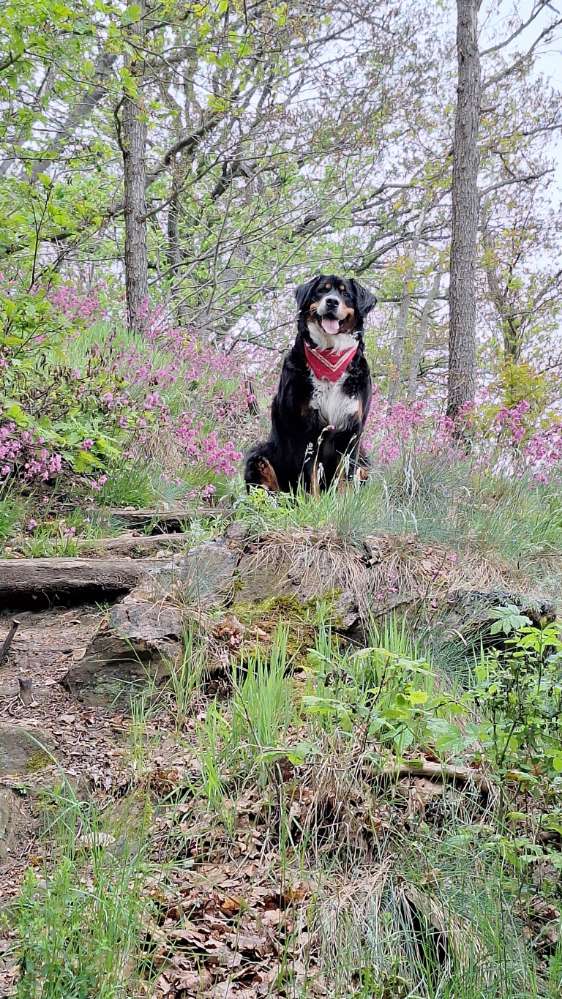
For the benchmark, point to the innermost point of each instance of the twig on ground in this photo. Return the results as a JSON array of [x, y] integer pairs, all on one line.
[[7, 643], [431, 769]]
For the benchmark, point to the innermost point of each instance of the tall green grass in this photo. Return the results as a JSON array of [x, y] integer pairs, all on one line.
[[262, 706], [80, 920]]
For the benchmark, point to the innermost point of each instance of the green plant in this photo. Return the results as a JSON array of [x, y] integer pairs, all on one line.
[[386, 690], [262, 706], [186, 675], [129, 485], [211, 739], [520, 690], [12, 511], [79, 924]]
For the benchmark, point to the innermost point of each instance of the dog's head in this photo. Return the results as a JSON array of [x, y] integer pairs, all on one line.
[[332, 306]]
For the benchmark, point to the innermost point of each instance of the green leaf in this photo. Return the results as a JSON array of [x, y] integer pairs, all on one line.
[[131, 14], [85, 462], [15, 412]]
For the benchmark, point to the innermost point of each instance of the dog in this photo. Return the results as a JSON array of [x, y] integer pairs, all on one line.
[[324, 393]]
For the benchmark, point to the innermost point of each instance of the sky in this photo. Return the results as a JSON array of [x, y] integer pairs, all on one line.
[[494, 21]]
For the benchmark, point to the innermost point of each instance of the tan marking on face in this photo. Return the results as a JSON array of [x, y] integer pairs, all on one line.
[[347, 325]]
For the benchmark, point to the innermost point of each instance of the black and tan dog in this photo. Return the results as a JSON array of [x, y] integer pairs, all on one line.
[[322, 402]]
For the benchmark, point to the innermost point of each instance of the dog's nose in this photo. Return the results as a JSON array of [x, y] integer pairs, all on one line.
[[332, 303]]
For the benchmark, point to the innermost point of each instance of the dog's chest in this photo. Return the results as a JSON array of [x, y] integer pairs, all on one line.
[[334, 406]]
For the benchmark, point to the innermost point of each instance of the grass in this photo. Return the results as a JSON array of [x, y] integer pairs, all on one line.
[[262, 706], [186, 676], [413, 891], [433, 920], [454, 504], [413, 895], [12, 513], [130, 485], [79, 923]]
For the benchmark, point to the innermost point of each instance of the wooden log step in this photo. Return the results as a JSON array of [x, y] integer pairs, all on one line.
[[134, 544], [160, 521], [33, 581]]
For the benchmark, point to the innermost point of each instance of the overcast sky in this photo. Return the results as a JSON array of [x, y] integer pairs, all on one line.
[[494, 20]]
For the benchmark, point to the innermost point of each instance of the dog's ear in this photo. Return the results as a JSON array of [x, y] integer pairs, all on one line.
[[364, 299], [303, 293]]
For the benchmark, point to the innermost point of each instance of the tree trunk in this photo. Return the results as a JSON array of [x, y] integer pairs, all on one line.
[[133, 147], [404, 311], [462, 292], [421, 336]]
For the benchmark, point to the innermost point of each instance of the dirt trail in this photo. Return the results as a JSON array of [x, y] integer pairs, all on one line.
[[86, 743]]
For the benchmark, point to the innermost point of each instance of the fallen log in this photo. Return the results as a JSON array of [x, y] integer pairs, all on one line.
[[34, 581], [432, 770], [160, 521], [131, 544]]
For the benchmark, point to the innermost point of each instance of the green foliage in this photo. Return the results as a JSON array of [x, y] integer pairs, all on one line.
[[507, 619], [262, 707], [52, 407], [12, 511], [387, 690], [520, 690], [79, 924]]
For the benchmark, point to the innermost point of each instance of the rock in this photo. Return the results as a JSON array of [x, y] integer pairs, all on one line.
[[23, 750], [138, 642], [311, 572], [347, 615], [466, 615], [207, 574]]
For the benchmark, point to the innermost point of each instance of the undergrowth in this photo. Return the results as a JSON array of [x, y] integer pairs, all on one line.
[[80, 919], [373, 820]]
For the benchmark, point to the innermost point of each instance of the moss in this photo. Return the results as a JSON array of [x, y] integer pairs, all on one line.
[[301, 617], [38, 761]]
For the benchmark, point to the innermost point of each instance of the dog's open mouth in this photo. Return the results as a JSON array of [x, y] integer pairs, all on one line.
[[331, 326]]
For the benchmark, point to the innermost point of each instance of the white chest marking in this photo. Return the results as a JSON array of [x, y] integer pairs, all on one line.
[[333, 405]]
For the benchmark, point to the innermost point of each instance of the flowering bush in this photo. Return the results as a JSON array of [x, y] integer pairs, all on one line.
[[188, 407], [121, 401], [510, 443]]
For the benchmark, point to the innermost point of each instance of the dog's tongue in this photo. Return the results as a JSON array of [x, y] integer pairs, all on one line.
[[331, 326]]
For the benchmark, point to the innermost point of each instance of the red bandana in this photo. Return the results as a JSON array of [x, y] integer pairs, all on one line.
[[329, 364]]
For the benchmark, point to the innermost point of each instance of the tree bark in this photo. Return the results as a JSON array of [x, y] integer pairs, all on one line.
[[421, 336], [46, 580], [133, 147], [462, 292]]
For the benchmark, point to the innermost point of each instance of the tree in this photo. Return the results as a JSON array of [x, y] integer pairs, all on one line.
[[464, 216], [132, 135]]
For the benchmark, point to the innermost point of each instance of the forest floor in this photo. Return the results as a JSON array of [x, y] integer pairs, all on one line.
[[292, 811]]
